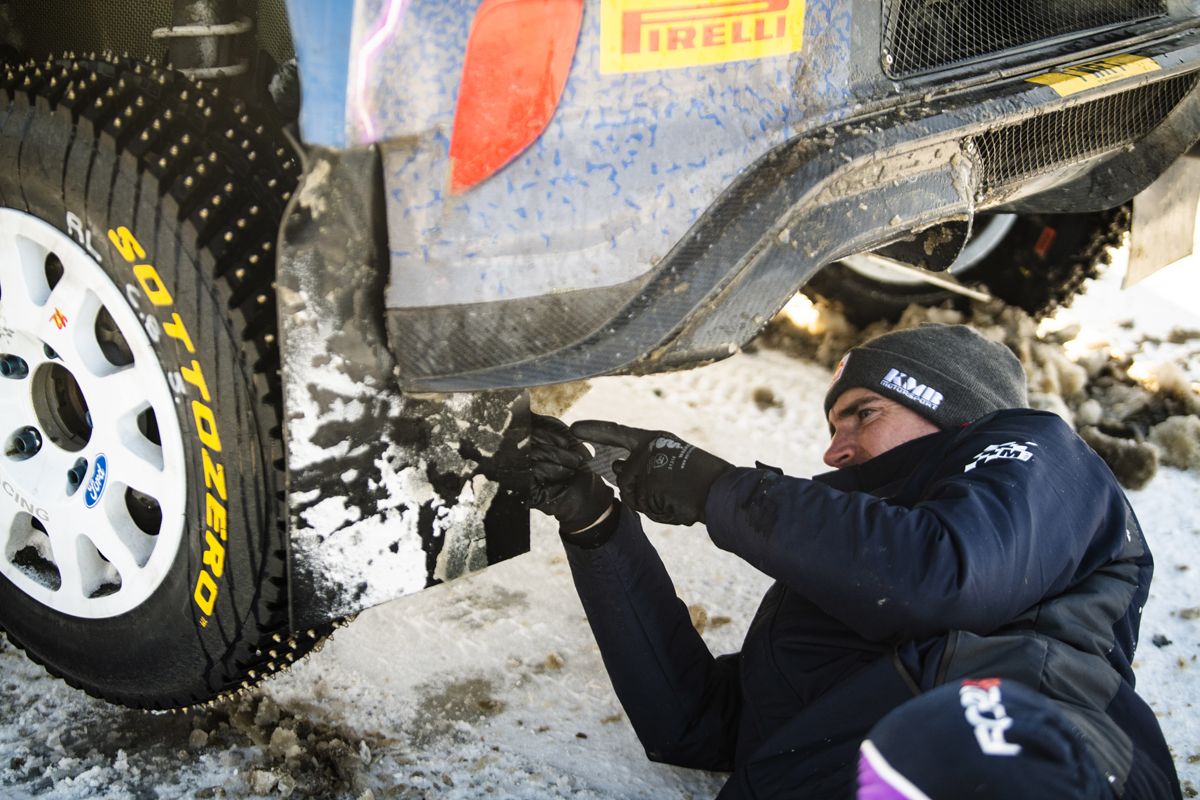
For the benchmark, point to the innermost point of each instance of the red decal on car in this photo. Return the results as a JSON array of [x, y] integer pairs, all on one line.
[[518, 56]]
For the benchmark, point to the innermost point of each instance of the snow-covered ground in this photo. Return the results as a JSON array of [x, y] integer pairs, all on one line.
[[492, 687]]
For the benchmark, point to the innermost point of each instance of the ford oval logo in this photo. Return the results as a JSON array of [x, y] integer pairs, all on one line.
[[95, 485]]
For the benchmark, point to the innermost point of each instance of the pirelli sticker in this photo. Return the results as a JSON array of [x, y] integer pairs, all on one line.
[[1071, 80], [642, 35]]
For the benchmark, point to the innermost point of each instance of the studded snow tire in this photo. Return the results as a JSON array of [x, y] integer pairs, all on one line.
[[142, 550], [1040, 265]]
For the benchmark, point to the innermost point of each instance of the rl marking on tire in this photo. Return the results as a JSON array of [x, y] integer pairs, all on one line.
[[215, 525]]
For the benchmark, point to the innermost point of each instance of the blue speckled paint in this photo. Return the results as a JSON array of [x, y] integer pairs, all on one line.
[[321, 31], [626, 165]]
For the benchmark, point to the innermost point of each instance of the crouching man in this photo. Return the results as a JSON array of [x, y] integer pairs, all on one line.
[[955, 606]]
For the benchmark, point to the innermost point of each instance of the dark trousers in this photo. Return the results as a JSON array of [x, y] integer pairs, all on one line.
[[984, 740]]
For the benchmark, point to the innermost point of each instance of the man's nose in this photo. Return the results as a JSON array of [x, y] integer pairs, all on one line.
[[841, 451]]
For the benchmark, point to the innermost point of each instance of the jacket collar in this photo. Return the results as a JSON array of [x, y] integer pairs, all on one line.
[[895, 465]]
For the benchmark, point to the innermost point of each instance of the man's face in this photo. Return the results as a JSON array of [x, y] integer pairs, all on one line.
[[866, 424]]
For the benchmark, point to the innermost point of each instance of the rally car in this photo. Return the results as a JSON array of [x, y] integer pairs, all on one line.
[[276, 277]]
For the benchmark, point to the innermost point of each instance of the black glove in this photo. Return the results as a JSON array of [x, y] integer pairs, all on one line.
[[664, 477], [562, 487]]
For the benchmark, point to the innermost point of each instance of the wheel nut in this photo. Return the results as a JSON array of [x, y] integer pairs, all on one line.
[[75, 474], [25, 443], [13, 366]]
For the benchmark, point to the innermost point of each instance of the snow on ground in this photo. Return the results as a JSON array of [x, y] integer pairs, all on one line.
[[492, 687]]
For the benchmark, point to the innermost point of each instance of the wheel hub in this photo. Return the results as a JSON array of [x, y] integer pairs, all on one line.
[[92, 474], [62, 411]]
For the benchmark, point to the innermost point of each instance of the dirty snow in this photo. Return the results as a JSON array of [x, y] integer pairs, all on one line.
[[491, 686]]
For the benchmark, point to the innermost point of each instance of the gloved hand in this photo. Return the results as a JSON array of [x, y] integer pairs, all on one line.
[[562, 487], [664, 477]]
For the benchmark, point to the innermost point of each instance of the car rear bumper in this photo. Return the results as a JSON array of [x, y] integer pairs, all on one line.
[[1007, 144]]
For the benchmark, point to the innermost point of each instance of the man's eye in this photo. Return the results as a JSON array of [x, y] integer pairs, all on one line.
[[864, 413]]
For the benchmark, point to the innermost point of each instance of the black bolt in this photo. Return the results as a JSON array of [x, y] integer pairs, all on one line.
[[75, 474], [13, 366], [49, 351], [26, 442]]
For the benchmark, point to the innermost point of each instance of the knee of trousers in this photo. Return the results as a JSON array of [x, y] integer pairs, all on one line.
[[983, 739]]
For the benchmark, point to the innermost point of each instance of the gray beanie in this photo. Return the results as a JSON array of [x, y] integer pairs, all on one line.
[[948, 374]]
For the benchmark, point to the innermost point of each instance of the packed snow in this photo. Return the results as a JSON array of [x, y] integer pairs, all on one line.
[[491, 686]]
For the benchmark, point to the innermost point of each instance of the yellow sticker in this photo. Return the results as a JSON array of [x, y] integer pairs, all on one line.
[[641, 35], [1070, 80]]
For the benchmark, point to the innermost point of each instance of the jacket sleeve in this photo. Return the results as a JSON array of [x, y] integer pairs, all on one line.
[[979, 547], [683, 702]]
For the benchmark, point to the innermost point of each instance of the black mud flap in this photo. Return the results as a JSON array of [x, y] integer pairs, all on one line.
[[387, 493]]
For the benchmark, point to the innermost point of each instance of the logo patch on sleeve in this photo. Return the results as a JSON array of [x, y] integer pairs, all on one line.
[[1009, 451]]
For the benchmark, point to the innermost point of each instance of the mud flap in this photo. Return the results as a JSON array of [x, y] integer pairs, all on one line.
[[387, 493], [1164, 220]]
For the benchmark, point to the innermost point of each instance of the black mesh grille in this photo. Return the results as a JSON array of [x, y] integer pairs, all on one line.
[[923, 34], [50, 27], [274, 35], [1043, 143]]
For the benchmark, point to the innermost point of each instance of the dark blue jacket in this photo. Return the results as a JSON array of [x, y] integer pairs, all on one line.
[[1005, 548]]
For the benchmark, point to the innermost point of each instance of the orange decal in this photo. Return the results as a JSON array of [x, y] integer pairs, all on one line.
[[59, 319], [639, 35], [1044, 242]]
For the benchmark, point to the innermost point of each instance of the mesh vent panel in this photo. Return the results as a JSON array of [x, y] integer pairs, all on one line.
[[274, 35], [923, 34], [49, 27], [1043, 143]]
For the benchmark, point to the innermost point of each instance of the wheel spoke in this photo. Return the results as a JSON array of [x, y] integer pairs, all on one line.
[[84, 343], [117, 395], [66, 310], [25, 278], [137, 462], [75, 576], [125, 547]]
